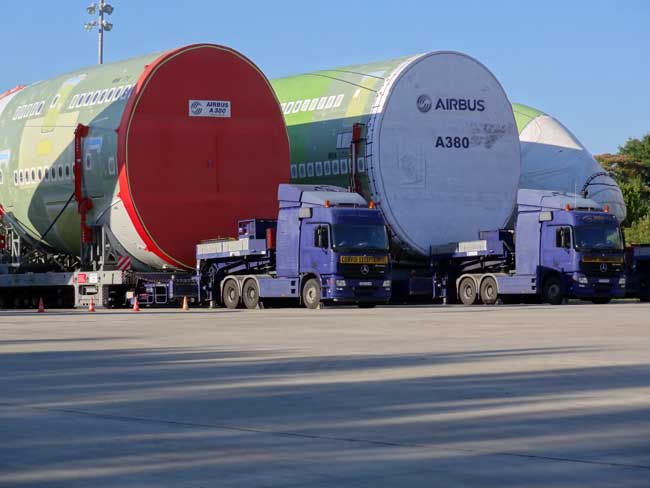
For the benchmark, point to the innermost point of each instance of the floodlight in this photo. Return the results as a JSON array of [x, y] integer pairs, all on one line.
[[91, 9], [107, 26], [107, 8]]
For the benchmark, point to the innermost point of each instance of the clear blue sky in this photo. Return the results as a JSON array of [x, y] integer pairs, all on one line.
[[585, 62]]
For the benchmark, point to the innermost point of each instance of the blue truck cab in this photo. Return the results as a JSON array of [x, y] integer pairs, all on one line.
[[562, 246], [327, 245]]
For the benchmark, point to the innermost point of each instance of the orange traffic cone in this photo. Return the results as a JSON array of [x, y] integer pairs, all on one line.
[[41, 307], [136, 305], [185, 304], [91, 305]]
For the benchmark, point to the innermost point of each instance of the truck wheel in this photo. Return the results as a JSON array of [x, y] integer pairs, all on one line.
[[230, 294], [601, 300], [311, 294], [489, 290], [251, 294], [552, 290], [467, 291]]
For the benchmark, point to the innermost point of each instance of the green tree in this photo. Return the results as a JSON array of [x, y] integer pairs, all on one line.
[[635, 194], [630, 167], [637, 149], [639, 232]]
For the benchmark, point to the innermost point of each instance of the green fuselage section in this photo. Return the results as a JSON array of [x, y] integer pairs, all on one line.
[[37, 148]]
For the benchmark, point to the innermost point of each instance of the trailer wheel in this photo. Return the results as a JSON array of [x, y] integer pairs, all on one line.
[[489, 290], [311, 294], [552, 290], [230, 294], [467, 291], [251, 294]]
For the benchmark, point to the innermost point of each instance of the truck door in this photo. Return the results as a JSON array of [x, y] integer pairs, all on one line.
[[316, 244], [557, 247]]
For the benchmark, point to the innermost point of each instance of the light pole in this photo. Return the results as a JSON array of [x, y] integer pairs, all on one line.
[[100, 8]]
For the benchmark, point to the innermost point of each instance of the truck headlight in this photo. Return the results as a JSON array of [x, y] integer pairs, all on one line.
[[341, 283], [583, 280], [621, 281], [386, 284]]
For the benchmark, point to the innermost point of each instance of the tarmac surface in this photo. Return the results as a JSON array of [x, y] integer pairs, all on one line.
[[505, 396]]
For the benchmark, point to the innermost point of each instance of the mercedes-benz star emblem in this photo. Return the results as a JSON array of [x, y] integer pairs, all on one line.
[[365, 269], [603, 267]]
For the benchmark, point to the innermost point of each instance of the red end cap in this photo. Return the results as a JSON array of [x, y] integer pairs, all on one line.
[[187, 178]]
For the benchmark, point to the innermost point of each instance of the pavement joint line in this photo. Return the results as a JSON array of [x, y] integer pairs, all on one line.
[[127, 418]]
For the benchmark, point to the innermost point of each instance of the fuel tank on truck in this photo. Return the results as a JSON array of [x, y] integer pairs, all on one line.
[[181, 145], [440, 150], [552, 158]]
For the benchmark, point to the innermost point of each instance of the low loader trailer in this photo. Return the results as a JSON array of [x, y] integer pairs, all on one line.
[[562, 246], [637, 261], [326, 246]]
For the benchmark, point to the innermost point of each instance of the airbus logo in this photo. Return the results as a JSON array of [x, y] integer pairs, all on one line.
[[424, 103], [365, 269], [196, 107]]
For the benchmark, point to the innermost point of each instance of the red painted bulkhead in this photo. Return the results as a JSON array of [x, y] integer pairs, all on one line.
[[185, 179]]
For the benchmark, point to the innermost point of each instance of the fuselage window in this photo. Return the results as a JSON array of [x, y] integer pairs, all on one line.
[[73, 102], [95, 97], [60, 172], [53, 173], [21, 176], [40, 174], [118, 93], [67, 171], [55, 100], [15, 177], [33, 175]]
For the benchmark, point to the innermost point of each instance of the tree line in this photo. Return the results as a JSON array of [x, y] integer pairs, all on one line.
[[630, 167]]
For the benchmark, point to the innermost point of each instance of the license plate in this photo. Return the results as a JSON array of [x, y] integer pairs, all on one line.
[[602, 280], [365, 283]]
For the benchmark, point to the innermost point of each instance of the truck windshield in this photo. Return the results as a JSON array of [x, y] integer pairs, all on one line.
[[359, 237], [590, 237]]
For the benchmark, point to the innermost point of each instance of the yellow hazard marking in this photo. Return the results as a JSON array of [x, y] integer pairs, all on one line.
[[363, 259]]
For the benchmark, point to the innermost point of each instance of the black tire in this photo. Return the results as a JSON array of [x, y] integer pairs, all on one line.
[[644, 299], [467, 291], [552, 290], [311, 294], [601, 300], [366, 305], [251, 294], [489, 290], [230, 294]]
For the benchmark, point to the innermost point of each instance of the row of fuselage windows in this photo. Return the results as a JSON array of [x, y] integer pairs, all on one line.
[[30, 176], [324, 168], [52, 174], [97, 97]]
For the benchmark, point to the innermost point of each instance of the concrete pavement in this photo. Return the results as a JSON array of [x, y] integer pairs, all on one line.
[[505, 396]]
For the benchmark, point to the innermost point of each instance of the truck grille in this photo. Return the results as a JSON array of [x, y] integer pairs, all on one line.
[[601, 269], [355, 271]]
